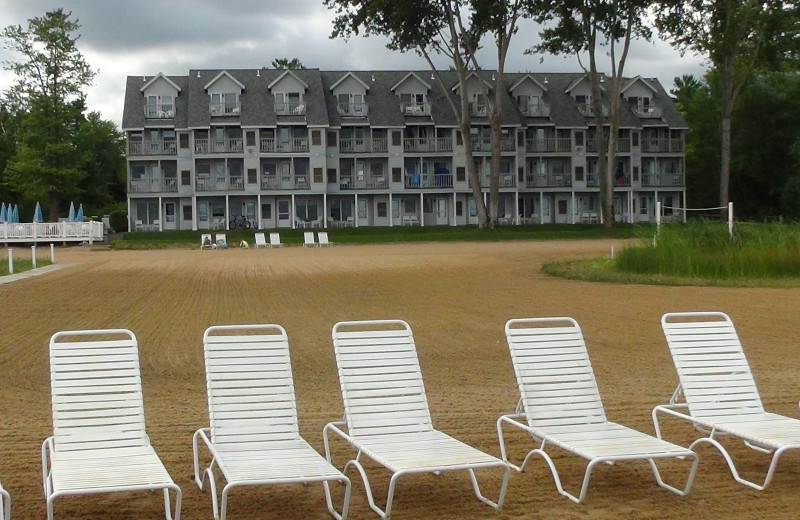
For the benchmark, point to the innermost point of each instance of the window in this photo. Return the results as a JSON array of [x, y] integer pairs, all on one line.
[[331, 175], [473, 208], [635, 139], [395, 138], [283, 210], [562, 207], [266, 210], [382, 209], [459, 138], [316, 138], [461, 174], [578, 138], [643, 206], [184, 140], [579, 173], [318, 175], [187, 213], [362, 209], [395, 208], [521, 174], [459, 208], [137, 171], [186, 177], [331, 139], [252, 176], [397, 175], [636, 173], [251, 138]]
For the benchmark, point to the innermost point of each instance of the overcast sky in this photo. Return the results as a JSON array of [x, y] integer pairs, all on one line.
[[121, 38]]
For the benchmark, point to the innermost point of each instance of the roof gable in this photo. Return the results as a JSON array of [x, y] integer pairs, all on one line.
[[406, 77], [288, 73], [221, 74], [158, 77], [578, 81], [349, 75], [527, 77], [469, 76], [638, 79]]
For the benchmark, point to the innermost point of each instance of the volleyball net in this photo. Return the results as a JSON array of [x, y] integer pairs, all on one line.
[[721, 213]]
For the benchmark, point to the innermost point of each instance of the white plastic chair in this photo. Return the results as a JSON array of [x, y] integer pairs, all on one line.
[[308, 239], [5, 504], [322, 238], [253, 436], [561, 405], [205, 241], [221, 241], [386, 411], [99, 443], [720, 397], [275, 240], [261, 240]]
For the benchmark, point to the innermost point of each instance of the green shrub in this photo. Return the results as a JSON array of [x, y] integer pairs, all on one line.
[[118, 220]]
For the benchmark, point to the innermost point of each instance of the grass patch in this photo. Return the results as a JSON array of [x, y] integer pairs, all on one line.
[[381, 235], [21, 265], [699, 253]]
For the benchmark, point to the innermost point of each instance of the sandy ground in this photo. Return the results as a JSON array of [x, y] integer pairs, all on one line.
[[457, 298]]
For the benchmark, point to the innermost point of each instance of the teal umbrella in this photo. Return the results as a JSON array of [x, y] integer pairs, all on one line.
[[79, 216], [71, 217], [15, 214], [37, 213], [3, 213]]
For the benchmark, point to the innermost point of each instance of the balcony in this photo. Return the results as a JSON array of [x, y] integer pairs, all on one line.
[[294, 145], [538, 110], [646, 111], [505, 180], [353, 109], [230, 145], [285, 182], [587, 110], [549, 145], [479, 109], [236, 183], [208, 183], [425, 144], [159, 111], [662, 179], [662, 145], [623, 144], [416, 109], [224, 109], [548, 180], [152, 148], [147, 185], [361, 145], [291, 108], [427, 180], [484, 144], [363, 182]]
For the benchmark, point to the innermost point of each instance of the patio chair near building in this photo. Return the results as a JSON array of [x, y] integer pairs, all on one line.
[[99, 443], [275, 240], [253, 435], [308, 239], [720, 398], [260, 240], [386, 414], [205, 241], [560, 405], [322, 238]]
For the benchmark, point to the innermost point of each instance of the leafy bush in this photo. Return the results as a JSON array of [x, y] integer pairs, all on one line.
[[118, 220]]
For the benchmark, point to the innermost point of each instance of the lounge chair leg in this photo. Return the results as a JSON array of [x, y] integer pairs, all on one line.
[[503, 486], [329, 501], [689, 479], [770, 471], [384, 514], [167, 503]]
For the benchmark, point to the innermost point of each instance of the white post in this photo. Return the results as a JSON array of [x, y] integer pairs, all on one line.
[[10, 261], [658, 215], [33, 256], [730, 220], [52, 253]]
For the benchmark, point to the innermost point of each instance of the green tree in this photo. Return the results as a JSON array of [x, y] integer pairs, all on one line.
[[51, 76], [286, 63], [733, 34], [577, 27], [102, 162]]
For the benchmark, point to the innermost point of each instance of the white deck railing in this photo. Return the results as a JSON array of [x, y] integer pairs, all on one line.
[[51, 232]]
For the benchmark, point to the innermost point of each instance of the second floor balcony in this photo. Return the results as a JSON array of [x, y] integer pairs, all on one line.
[[293, 145], [229, 145], [219, 183], [427, 180], [290, 108], [416, 109], [548, 180], [363, 182], [484, 144], [535, 110], [479, 109], [426, 144], [647, 111], [663, 179], [353, 109], [224, 109], [153, 185], [159, 111], [623, 144], [363, 145], [659, 144], [168, 147], [285, 182], [504, 180]]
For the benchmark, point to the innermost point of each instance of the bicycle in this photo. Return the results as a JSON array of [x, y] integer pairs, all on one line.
[[240, 222]]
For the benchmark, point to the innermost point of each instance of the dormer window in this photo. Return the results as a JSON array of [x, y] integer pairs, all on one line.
[[224, 104], [160, 107], [352, 105], [414, 104], [289, 103], [478, 106]]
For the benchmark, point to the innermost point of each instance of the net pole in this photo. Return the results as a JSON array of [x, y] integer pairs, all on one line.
[[730, 220]]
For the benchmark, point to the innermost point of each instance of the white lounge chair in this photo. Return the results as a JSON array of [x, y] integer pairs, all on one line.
[[205, 241], [308, 239], [386, 410], [719, 393], [99, 442], [322, 238], [261, 240], [221, 242], [275, 240], [254, 437], [560, 405], [5, 504]]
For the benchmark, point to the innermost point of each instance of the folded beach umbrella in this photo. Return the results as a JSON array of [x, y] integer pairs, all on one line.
[[71, 217], [3, 213], [37, 213], [79, 216]]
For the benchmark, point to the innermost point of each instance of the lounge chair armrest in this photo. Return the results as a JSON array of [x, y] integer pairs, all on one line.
[[334, 426], [48, 447], [201, 433]]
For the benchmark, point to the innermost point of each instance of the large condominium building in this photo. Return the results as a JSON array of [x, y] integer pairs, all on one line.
[[317, 148]]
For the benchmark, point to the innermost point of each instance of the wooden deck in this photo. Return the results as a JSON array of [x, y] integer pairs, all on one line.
[[51, 232]]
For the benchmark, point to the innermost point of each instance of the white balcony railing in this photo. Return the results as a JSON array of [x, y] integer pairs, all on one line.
[[536, 110], [353, 109], [415, 109], [549, 144], [290, 108], [51, 231], [224, 109], [159, 111]]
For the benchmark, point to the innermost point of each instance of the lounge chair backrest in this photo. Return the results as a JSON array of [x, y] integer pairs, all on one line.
[[322, 236], [96, 390], [260, 239], [380, 378], [274, 239], [250, 388], [712, 369], [308, 238], [555, 378]]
